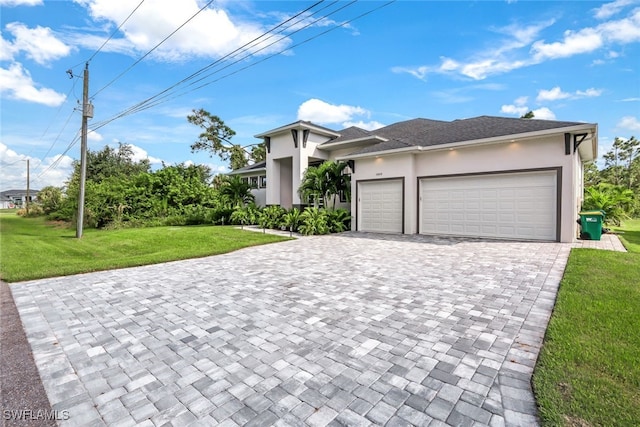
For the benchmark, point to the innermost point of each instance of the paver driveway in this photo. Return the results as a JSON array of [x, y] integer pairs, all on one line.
[[353, 329]]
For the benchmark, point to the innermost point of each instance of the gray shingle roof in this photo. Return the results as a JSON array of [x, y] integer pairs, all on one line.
[[426, 133], [349, 133], [249, 168]]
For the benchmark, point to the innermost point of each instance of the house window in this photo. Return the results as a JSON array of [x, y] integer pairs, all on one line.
[[343, 196], [263, 181], [245, 180], [254, 182], [311, 201]]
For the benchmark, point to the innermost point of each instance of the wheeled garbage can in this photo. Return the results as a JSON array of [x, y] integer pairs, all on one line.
[[591, 225]]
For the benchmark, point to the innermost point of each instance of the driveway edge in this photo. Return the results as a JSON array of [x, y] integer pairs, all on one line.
[[24, 401]]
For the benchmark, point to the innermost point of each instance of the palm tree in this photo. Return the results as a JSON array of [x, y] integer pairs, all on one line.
[[313, 185], [236, 191], [324, 182], [337, 181]]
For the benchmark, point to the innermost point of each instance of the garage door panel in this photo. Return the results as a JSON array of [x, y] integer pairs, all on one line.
[[380, 206], [514, 205]]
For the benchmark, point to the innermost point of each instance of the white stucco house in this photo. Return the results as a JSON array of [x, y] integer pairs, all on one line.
[[485, 176]]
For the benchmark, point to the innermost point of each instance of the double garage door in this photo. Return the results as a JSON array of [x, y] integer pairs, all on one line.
[[509, 205]]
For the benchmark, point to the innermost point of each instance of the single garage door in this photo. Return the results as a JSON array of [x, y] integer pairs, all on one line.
[[510, 205], [380, 206]]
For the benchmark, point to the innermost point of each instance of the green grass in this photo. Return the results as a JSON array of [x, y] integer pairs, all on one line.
[[588, 372], [629, 233], [30, 248]]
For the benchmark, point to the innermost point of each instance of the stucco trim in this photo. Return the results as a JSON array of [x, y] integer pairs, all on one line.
[[559, 199]]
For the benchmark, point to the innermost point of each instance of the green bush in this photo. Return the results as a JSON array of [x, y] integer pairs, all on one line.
[[313, 221], [339, 220], [271, 217], [220, 216], [291, 220]]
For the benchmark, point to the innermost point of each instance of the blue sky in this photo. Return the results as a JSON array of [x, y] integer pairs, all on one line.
[[367, 64]]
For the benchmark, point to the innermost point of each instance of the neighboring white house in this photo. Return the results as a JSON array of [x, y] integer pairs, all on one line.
[[16, 198], [483, 177]]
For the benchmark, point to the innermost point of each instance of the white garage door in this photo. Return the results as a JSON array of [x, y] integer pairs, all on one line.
[[512, 205], [380, 206]]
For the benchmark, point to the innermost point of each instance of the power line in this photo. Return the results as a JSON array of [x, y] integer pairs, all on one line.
[[115, 31], [167, 98], [141, 106], [145, 104], [152, 49]]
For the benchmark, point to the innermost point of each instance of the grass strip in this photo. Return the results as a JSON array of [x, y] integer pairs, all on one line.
[[31, 248], [588, 371]]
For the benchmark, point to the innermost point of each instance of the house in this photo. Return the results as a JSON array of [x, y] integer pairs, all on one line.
[[485, 176], [16, 198], [256, 176]]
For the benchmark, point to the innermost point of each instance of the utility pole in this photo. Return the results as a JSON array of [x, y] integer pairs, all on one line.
[[28, 195], [86, 113]]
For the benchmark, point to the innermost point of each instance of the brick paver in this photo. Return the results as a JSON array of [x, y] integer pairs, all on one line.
[[350, 329]]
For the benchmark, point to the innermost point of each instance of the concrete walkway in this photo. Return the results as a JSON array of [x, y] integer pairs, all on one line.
[[350, 329]]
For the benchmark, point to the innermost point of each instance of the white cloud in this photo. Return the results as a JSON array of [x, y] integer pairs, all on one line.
[[212, 33], [372, 125], [586, 40], [630, 99], [39, 43], [492, 60], [94, 136], [523, 47], [140, 153], [16, 83], [417, 72], [607, 10], [11, 3], [556, 93], [544, 114], [573, 43], [14, 170], [320, 112], [521, 100], [552, 94], [589, 93], [629, 123], [514, 109]]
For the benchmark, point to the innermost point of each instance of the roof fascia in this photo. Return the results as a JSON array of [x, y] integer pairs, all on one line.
[[298, 125], [247, 172]]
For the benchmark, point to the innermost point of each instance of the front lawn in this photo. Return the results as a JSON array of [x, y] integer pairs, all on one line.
[[31, 248], [588, 372]]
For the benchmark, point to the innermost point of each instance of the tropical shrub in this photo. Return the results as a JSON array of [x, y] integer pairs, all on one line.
[[614, 200], [313, 221], [338, 220], [50, 198], [272, 216], [291, 220], [240, 217]]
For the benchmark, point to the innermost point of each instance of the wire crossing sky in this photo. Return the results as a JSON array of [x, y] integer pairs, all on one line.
[[261, 64]]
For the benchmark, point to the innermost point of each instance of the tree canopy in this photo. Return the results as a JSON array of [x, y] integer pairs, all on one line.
[[216, 139], [616, 187]]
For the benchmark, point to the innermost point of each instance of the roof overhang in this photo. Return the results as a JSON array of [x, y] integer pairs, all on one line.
[[352, 143], [301, 126], [588, 152]]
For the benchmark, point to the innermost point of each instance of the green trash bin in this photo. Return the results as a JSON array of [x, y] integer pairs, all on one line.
[[591, 225]]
